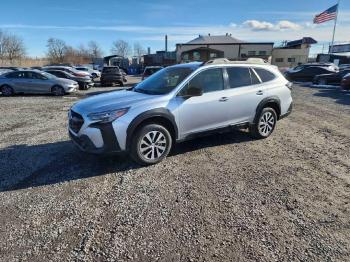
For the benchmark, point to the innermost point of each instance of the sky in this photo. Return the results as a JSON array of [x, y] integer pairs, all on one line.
[[77, 22]]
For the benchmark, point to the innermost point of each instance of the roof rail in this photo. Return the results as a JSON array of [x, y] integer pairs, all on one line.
[[226, 61]]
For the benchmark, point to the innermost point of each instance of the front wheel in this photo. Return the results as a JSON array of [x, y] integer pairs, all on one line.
[[151, 144], [57, 91], [265, 124]]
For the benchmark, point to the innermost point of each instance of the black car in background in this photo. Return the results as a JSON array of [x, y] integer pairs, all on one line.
[[307, 74], [84, 82], [331, 79], [112, 75]]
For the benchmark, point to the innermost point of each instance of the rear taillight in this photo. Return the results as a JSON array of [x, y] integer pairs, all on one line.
[[289, 85]]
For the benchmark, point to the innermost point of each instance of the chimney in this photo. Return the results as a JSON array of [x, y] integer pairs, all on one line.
[[148, 50], [166, 43]]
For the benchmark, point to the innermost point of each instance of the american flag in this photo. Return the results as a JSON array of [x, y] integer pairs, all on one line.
[[329, 14]]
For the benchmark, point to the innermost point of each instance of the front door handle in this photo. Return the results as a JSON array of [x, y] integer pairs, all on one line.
[[260, 93], [223, 99]]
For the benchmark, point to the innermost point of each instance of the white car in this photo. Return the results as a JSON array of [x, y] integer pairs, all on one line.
[[92, 72], [178, 103]]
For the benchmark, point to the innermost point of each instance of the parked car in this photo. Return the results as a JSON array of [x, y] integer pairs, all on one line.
[[307, 74], [344, 66], [34, 81], [36, 68], [330, 66], [331, 79], [13, 68], [150, 70], [345, 83], [84, 82], [3, 71], [68, 69], [111, 75], [178, 103], [92, 72]]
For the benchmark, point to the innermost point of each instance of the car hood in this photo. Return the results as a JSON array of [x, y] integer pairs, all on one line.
[[110, 101]]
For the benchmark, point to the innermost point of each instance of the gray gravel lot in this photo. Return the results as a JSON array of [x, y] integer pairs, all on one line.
[[218, 198]]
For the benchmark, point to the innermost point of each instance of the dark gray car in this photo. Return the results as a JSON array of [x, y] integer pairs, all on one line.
[[84, 82], [35, 82]]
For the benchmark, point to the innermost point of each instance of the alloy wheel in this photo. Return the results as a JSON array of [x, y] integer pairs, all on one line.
[[153, 145], [266, 124], [6, 91]]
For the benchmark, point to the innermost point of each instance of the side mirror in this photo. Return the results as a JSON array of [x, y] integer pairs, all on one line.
[[193, 91]]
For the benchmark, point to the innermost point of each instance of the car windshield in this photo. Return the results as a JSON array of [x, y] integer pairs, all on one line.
[[164, 81]]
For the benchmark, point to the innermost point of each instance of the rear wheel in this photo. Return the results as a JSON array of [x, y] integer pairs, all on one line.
[[121, 83], [151, 144], [265, 124], [57, 91], [7, 90]]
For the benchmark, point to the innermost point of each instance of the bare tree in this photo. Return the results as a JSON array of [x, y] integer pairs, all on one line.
[[15, 48], [56, 50], [94, 49], [121, 48], [3, 45], [139, 50]]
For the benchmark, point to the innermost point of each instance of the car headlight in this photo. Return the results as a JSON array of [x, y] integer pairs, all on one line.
[[108, 116]]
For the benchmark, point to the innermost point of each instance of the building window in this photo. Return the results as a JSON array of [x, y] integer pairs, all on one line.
[[262, 52], [279, 60], [243, 55], [291, 59], [213, 55], [250, 53], [185, 57], [196, 56]]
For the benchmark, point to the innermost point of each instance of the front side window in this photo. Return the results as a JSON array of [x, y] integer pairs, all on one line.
[[239, 76], [210, 80], [264, 75], [164, 81]]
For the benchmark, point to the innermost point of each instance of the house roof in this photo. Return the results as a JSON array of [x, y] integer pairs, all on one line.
[[304, 40], [215, 39]]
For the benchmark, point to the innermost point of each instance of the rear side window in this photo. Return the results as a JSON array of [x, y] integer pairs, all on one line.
[[265, 75], [239, 76], [16, 75]]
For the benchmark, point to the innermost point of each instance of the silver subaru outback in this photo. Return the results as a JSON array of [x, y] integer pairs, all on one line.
[[178, 103]]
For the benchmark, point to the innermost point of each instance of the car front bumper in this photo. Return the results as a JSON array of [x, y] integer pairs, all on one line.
[[96, 139]]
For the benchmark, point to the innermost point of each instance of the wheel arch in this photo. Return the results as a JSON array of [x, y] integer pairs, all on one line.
[[160, 116], [273, 102]]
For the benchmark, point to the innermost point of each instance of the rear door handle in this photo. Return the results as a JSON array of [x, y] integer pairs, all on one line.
[[223, 99], [260, 93]]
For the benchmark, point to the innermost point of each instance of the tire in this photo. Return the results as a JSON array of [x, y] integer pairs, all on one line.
[[151, 144], [94, 75], [121, 83], [7, 90], [57, 91], [322, 82], [265, 124]]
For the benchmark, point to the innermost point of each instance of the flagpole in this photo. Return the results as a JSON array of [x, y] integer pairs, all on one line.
[[335, 26]]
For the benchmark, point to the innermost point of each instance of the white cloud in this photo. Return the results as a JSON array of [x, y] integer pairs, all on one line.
[[259, 25], [285, 24], [267, 26]]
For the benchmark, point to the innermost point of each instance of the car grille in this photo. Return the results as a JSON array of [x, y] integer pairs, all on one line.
[[76, 121]]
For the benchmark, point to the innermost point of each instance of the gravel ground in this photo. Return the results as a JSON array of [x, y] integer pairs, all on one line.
[[218, 198]]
